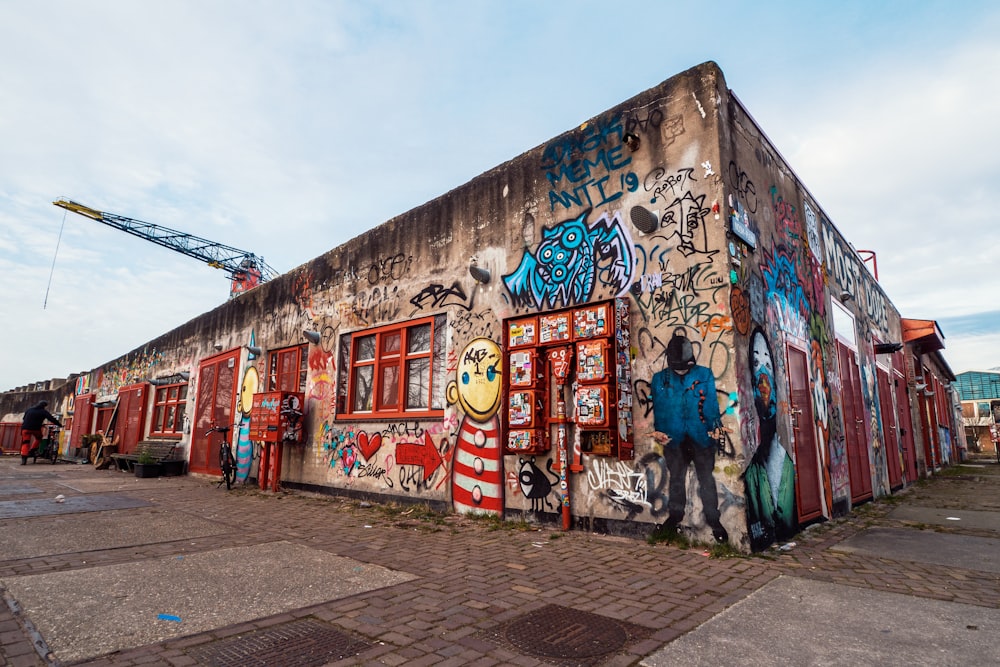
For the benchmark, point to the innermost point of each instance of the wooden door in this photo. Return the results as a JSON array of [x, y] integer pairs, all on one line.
[[131, 428], [808, 480], [83, 419], [214, 406], [858, 465], [905, 419], [890, 430]]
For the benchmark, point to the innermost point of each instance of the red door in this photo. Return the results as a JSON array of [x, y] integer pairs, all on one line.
[[83, 418], [131, 416], [890, 430], [214, 406], [854, 425], [928, 423], [10, 437], [808, 493], [905, 420]]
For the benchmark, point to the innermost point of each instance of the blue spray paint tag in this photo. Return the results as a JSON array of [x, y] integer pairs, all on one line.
[[168, 617]]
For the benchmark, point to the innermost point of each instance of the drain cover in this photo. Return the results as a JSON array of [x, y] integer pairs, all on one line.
[[562, 632], [305, 643]]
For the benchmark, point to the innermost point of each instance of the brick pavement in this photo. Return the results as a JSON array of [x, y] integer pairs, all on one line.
[[474, 575]]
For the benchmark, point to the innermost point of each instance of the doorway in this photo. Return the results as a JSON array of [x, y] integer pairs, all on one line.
[[808, 473], [858, 464], [214, 406]]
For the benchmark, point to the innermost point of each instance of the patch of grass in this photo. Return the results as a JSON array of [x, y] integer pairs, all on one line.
[[555, 536], [674, 537], [725, 550], [395, 511], [669, 535], [493, 522]]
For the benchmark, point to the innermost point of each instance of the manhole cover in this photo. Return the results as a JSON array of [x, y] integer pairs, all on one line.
[[18, 509], [561, 632], [305, 643]]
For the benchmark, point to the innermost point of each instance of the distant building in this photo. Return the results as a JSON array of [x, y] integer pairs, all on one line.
[[980, 395], [647, 321]]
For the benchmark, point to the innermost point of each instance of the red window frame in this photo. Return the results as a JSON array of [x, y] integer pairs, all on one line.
[[287, 368], [169, 406], [381, 364]]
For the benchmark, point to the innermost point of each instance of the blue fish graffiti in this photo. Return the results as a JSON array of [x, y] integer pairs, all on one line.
[[572, 259]]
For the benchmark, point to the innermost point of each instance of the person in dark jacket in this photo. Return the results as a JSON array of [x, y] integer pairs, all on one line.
[[31, 428]]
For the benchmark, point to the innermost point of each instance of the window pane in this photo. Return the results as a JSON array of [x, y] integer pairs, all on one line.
[[158, 419], [418, 377], [171, 423], [390, 387], [440, 367], [183, 392], [179, 419], [390, 344], [272, 372], [363, 389], [418, 339], [364, 348]]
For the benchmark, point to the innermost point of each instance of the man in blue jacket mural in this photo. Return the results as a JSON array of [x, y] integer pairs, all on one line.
[[687, 422]]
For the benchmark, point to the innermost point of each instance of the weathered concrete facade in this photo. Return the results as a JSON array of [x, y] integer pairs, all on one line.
[[749, 393]]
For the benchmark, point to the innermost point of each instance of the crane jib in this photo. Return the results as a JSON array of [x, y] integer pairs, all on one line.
[[246, 269]]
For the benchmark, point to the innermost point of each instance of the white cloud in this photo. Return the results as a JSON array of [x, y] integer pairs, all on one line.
[[285, 128]]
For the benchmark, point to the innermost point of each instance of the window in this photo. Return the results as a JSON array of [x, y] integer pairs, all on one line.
[[286, 369], [393, 371], [168, 410]]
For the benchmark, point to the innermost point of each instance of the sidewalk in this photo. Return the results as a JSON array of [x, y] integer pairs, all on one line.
[[175, 571]]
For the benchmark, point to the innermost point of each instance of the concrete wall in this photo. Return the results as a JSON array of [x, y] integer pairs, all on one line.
[[674, 200]]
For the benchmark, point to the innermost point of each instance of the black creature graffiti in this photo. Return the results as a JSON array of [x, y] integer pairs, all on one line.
[[535, 484]]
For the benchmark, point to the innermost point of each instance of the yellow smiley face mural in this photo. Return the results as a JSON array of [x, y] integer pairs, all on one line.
[[477, 382], [251, 380]]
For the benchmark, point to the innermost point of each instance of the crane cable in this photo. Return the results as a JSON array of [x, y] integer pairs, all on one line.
[[53, 269]]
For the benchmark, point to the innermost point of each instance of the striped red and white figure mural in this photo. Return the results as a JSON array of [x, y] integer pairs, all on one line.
[[477, 474]]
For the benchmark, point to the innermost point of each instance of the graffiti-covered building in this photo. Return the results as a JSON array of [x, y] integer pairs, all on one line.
[[648, 321]]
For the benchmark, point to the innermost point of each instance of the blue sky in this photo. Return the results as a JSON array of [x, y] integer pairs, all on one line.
[[285, 128]]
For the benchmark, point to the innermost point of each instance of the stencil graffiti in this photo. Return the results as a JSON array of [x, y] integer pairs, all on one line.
[[572, 260], [688, 424]]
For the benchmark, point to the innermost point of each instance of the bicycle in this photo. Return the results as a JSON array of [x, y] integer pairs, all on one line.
[[53, 445], [227, 462], [47, 447]]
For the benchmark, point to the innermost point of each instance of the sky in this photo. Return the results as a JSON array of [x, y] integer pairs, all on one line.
[[288, 127]]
